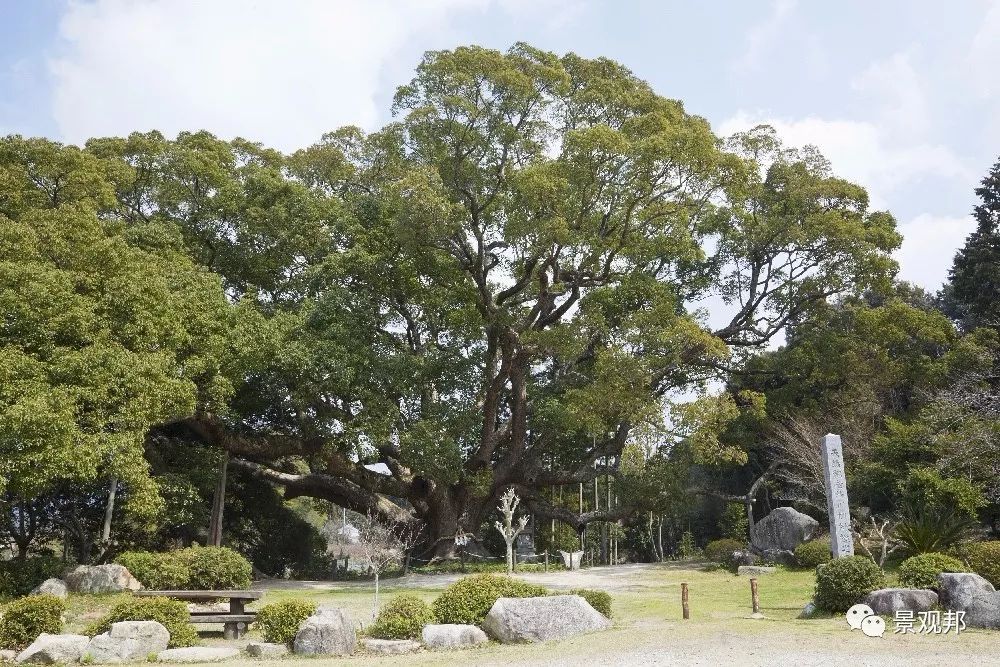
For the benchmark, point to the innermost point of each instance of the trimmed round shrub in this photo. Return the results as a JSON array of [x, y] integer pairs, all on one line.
[[721, 551], [23, 620], [984, 559], [158, 571], [20, 577], [403, 618], [278, 622], [921, 571], [843, 582], [217, 568], [468, 600], [599, 600], [813, 553], [172, 614]]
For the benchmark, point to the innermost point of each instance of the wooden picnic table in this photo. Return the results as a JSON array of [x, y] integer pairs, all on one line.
[[235, 621]]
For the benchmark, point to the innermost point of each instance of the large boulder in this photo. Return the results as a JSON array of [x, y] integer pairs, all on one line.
[[517, 620], [984, 611], [55, 587], [110, 578], [127, 641], [957, 590], [754, 570], [887, 601], [452, 635], [52, 649], [327, 632], [198, 654], [782, 530]]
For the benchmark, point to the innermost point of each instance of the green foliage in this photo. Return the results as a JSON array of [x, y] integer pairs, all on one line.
[[922, 570], [686, 547], [733, 522], [973, 289], [158, 571], [194, 568], [721, 551], [599, 600], [932, 530], [172, 614], [403, 618], [468, 600], [279, 621], [813, 553], [218, 568], [23, 620], [927, 489], [20, 577], [984, 559], [843, 582]]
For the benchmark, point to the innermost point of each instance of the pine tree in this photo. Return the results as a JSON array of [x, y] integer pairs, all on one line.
[[974, 286]]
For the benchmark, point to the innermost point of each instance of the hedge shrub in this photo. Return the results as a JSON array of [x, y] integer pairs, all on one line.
[[984, 559], [194, 568], [721, 551], [20, 577], [813, 553], [843, 582], [278, 622], [218, 568], [403, 618], [158, 571], [468, 600], [599, 600], [23, 620], [922, 571], [172, 614]]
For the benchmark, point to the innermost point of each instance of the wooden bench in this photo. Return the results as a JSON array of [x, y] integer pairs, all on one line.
[[234, 622]]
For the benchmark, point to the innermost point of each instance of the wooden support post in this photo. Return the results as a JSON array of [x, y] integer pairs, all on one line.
[[685, 608], [754, 597]]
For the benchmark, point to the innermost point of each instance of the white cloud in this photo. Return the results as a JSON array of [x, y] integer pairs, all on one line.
[[282, 73], [859, 151], [985, 54], [929, 245], [762, 36], [894, 85]]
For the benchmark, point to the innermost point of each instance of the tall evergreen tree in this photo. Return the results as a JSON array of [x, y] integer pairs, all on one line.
[[974, 289]]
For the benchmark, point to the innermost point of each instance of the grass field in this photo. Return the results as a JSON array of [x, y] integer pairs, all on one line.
[[648, 627]]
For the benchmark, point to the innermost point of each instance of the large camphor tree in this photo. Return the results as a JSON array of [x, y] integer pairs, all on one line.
[[499, 290]]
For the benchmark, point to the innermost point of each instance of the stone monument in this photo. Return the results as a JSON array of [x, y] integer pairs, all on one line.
[[841, 540]]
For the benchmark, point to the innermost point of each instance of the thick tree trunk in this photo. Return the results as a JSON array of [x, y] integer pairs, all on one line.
[[109, 511]]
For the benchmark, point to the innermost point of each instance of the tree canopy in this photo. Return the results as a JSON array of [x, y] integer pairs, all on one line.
[[501, 288]]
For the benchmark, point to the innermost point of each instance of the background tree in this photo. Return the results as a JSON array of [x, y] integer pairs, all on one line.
[[973, 290]]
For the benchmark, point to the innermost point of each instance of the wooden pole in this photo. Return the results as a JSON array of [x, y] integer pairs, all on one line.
[[685, 608], [754, 596]]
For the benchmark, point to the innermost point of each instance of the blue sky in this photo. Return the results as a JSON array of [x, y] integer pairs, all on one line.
[[903, 97]]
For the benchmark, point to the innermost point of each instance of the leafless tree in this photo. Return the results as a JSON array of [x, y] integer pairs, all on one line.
[[508, 505], [382, 546], [795, 442], [876, 539]]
